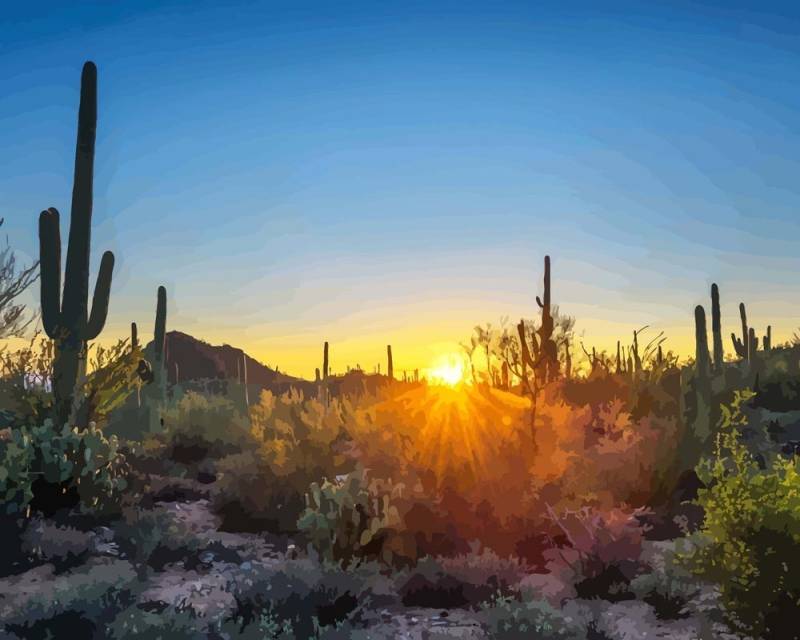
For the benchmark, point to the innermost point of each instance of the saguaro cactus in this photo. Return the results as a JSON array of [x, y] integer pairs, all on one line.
[[66, 317], [702, 382], [702, 357], [159, 343], [325, 362], [390, 364], [716, 328], [742, 346], [548, 361]]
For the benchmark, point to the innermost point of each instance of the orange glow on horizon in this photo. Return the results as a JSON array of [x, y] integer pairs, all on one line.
[[447, 370]]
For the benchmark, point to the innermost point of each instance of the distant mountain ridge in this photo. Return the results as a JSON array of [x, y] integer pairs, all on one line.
[[197, 359]]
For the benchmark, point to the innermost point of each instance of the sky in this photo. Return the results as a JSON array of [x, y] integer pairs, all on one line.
[[373, 173]]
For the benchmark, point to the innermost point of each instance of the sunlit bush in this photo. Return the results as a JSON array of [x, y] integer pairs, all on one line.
[[201, 426], [749, 544]]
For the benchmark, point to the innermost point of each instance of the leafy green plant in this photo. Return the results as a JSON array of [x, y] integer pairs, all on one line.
[[50, 467], [518, 618], [749, 545], [173, 623], [201, 426], [351, 517]]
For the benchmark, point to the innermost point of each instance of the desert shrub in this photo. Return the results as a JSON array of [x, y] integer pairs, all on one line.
[[300, 435], [301, 597], [519, 618], [172, 623], [296, 441], [602, 549], [24, 384], [64, 546], [251, 497], [49, 468], [749, 544], [460, 581], [201, 426], [93, 592], [153, 537]]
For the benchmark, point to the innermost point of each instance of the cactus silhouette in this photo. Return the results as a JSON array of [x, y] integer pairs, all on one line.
[[741, 346], [325, 362], [390, 364], [716, 328], [66, 317], [702, 358], [548, 362], [159, 344]]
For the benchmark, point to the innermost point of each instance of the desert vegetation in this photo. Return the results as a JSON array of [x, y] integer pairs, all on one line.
[[170, 489]]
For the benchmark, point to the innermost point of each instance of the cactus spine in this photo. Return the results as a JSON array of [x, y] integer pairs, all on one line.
[[390, 364], [716, 328], [66, 318]]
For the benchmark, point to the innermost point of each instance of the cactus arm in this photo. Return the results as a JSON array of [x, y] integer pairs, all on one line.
[[50, 271], [102, 294]]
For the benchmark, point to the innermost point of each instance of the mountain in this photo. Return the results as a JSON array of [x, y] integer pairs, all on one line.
[[196, 359]]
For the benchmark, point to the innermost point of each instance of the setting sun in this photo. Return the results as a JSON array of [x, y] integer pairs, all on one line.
[[447, 369]]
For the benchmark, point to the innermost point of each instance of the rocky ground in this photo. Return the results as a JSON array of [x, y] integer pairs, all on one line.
[[225, 561]]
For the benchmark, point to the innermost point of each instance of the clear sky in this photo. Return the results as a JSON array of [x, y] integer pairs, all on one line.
[[373, 173]]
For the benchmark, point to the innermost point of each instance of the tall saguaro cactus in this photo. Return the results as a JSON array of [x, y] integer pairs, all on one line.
[[716, 328], [66, 317], [548, 361], [702, 357], [325, 361], [390, 364], [702, 382], [159, 344]]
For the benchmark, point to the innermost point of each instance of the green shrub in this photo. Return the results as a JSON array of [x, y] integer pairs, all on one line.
[[299, 598], [94, 591], [49, 468], [201, 426], [749, 545], [515, 618], [154, 537], [251, 497], [169, 624]]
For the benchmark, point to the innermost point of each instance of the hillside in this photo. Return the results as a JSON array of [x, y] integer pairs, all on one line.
[[196, 359]]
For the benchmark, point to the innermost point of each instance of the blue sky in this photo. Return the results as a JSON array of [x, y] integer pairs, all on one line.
[[372, 172]]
